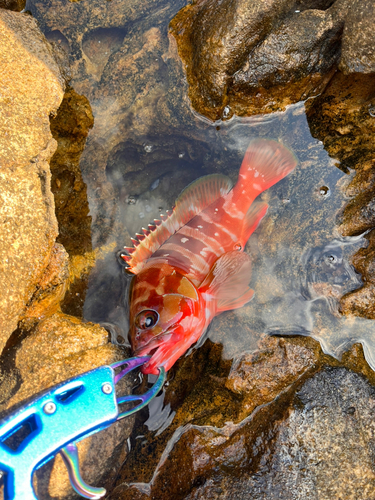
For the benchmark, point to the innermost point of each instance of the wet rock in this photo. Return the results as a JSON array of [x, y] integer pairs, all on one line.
[[16, 5], [30, 93], [342, 118], [204, 393], [241, 58], [70, 128], [361, 302], [59, 348], [253, 376], [312, 443], [358, 53], [50, 290], [232, 66]]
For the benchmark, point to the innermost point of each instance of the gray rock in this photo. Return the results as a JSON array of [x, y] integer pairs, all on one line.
[[358, 48], [323, 450], [307, 43]]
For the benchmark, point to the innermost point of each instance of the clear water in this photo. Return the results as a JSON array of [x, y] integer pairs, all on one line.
[[146, 146]]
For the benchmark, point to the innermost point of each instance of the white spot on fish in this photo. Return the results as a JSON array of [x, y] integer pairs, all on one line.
[[200, 227], [216, 234], [184, 240], [257, 186], [166, 255], [256, 173], [216, 209]]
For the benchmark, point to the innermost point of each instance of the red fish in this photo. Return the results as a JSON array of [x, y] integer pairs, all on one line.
[[190, 266]]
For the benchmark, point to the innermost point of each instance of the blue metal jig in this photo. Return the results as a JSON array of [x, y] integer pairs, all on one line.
[[57, 419]]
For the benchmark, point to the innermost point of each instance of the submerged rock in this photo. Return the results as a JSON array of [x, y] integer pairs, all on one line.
[[342, 118]]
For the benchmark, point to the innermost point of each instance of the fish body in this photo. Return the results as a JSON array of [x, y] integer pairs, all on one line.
[[190, 266]]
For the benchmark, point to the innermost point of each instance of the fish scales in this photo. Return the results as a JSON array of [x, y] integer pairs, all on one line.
[[190, 266]]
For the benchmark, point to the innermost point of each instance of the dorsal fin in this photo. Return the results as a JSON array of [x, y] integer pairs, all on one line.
[[194, 198]]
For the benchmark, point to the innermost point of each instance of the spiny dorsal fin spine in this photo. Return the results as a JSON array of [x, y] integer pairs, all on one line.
[[193, 199]]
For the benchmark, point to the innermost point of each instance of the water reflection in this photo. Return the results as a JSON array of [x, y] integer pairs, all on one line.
[[147, 145]]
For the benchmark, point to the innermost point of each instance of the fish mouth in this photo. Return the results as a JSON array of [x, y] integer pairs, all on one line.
[[153, 345]]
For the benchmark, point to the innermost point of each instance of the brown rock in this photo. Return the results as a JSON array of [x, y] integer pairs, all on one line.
[[358, 51], [62, 347], [51, 288], [308, 444], [239, 57], [254, 375], [361, 302], [70, 128], [342, 117], [31, 90], [16, 5], [214, 41]]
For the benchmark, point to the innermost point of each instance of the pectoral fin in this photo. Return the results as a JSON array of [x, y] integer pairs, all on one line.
[[228, 281]]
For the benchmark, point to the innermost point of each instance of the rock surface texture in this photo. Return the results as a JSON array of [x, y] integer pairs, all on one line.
[[41, 346], [61, 347], [239, 56], [31, 89], [343, 117]]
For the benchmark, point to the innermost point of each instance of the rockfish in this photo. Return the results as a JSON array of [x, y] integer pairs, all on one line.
[[190, 265]]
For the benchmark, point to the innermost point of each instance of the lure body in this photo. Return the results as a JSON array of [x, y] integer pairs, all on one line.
[[191, 266]]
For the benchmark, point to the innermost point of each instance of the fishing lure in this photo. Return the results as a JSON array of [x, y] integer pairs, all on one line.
[[190, 265]]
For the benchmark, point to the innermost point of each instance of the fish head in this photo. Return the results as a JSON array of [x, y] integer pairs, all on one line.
[[165, 309]]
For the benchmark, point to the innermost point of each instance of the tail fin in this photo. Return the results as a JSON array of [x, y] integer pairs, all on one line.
[[266, 162]]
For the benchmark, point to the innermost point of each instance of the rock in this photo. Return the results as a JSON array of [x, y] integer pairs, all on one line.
[[240, 58], [62, 347], [70, 128], [16, 5], [342, 117], [239, 66], [30, 93], [50, 290], [358, 52], [312, 443], [253, 375], [205, 393], [361, 302]]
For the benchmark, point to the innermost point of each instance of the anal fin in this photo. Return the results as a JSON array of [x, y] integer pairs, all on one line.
[[228, 281]]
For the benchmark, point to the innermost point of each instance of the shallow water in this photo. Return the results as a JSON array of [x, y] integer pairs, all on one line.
[[147, 145]]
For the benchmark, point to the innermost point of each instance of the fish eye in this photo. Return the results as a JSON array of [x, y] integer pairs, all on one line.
[[146, 319]]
